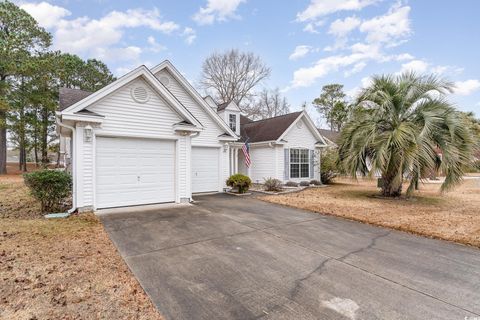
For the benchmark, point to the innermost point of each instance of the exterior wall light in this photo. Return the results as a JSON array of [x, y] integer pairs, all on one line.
[[88, 133]]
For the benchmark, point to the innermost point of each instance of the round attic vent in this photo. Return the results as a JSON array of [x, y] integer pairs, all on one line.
[[299, 124], [164, 80], [140, 94]]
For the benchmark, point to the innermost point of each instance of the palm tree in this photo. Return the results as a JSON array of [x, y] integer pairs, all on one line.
[[399, 127]]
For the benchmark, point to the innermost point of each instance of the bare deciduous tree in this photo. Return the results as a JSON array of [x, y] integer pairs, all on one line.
[[268, 104], [232, 75]]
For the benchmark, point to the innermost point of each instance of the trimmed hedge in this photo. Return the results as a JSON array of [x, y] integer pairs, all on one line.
[[239, 181], [50, 187]]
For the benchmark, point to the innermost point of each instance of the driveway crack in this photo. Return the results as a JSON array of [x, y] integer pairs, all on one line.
[[373, 242]]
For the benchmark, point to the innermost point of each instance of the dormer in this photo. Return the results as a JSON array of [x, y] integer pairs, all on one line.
[[230, 113]]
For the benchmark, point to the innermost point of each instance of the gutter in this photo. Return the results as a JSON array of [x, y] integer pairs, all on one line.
[[74, 165]]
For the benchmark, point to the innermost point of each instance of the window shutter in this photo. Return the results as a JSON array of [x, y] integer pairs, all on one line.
[[287, 164], [312, 164]]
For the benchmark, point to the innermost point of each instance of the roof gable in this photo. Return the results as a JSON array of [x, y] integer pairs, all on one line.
[[311, 126], [276, 128], [230, 106], [194, 94], [140, 72]]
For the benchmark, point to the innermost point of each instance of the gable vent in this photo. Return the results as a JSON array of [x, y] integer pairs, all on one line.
[[140, 94], [164, 80]]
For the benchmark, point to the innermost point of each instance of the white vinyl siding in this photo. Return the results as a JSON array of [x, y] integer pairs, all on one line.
[[125, 116], [209, 136], [263, 163], [300, 137]]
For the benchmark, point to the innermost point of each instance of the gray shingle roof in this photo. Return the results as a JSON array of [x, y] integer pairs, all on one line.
[[222, 106], [268, 129], [68, 97], [333, 136]]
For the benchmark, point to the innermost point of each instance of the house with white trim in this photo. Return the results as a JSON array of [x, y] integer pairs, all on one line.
[[150, 137]]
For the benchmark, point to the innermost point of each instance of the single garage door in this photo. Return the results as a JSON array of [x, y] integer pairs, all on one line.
[[205, 169], [134, 172]]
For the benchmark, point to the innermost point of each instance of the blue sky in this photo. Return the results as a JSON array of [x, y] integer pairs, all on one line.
[[307, 43]]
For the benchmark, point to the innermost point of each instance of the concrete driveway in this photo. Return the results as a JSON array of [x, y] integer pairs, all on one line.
[[240, 258]]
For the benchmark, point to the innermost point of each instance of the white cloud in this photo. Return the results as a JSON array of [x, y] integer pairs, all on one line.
[[356, 68], [341, 28], [404, 57], [417, 66], [45, 13], [300, 52], [312, 26], [320, 8], [118, 54], [305, 77], [99, 37], [465, 88], [189, 34], [217, 10], [450, 70], [380, 33], [389, 28], [154, 45], [422, 66]]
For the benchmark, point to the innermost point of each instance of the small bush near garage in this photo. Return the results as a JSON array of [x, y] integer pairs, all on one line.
[[50, 187], [272, 184], [328, 166], [240, 182], [291, 184], [315, 182], [304, 183]]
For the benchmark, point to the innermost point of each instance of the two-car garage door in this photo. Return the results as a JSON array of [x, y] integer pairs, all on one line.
[[134, 171]]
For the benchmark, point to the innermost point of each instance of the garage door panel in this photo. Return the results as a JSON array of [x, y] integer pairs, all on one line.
[[205, 169], [134, 171]]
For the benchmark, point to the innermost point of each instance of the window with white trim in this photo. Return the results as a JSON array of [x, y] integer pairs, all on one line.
[[232, 121], [299, 163]]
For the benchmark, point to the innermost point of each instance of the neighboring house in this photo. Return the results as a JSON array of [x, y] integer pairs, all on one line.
[[149, 137], [331, 137]]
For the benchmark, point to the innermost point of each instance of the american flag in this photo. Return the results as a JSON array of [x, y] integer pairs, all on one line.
[[246, 153]]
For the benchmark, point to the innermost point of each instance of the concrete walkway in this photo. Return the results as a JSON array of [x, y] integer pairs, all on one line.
[[230, 257]]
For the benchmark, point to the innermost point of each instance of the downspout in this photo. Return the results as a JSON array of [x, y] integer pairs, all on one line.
[[74, 165]]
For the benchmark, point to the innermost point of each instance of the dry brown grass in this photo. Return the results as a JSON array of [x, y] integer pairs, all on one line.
[[61, 269], [453, 216]]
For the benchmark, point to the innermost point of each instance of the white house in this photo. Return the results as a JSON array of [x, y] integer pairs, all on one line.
[[149, 137]]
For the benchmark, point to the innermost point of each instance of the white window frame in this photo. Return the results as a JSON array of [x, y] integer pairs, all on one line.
[[234, 127], [300, 163]]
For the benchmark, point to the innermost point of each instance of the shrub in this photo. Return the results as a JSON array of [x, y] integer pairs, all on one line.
[[239, 181], [328, 166], [291, 184], [50, 187], [304, 183], [315, 182], [272, 184]]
